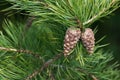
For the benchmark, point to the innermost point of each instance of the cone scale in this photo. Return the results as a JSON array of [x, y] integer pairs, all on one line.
[[72, 36], [88, 40]]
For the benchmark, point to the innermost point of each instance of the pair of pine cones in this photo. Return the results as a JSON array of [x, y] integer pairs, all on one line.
[[74, 35]]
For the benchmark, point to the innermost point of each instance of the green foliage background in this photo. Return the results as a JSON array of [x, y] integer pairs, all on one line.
[[45, 38], [110, 27]]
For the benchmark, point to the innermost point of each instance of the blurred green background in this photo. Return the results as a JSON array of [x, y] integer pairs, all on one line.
[[109, 26]]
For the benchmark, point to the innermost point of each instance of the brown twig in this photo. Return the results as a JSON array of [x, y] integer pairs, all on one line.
[[80, 25], [29, 22], [50, 61], [45, 65], [20, 51], [93, 77], [27, 26]]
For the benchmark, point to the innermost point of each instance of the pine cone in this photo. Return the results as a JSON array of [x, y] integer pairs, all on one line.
[[71, 38], [88, 40]]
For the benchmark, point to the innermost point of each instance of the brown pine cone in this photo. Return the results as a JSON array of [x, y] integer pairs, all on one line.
[[88, 40], [71, 38]]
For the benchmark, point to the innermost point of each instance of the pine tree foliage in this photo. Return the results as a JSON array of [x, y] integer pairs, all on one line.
[[34, 52], [66, 11]]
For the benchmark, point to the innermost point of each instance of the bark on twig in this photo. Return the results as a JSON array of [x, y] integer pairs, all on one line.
[[29, 22], [93, 77], [20, 51], [45, 65]]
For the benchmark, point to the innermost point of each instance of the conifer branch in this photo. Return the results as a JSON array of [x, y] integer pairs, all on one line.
[[99, 15], [20, 51], [50, 61], [45, 65], [79, 69], [93, 18], [67, 13], [87, 73]]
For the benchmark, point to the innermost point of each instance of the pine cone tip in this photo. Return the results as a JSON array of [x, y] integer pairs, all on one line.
[[88, 40]]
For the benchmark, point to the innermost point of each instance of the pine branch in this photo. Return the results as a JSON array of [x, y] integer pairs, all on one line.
[[64, 11], [93, 18], [45, 65], [20, 51], [50, 61], [78, 69], [99, 15]]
